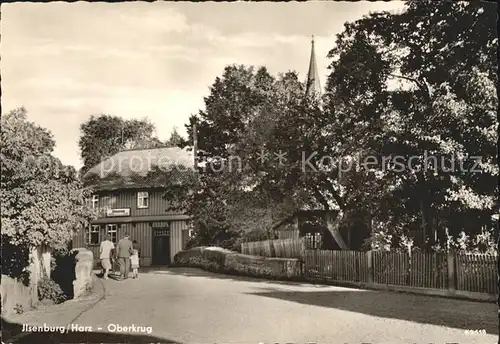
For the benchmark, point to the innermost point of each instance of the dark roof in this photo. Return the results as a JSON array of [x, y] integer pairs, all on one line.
[[138, 169]]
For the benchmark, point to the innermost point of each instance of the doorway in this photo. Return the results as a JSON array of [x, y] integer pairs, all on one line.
[[161, 246]]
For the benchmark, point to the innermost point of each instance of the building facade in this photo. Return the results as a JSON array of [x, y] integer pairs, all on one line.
[[130, 201]]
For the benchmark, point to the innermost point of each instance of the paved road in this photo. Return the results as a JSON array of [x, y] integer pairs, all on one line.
[[193, 306]]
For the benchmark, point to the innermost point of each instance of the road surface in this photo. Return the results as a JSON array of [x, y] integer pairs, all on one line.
[[193, 306]]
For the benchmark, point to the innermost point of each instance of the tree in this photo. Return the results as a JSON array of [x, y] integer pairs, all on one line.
[[105, 135], [43, 202], [361, 117], [229, 130], [327, 144], [247, 113], [175, 139], [444, 53]]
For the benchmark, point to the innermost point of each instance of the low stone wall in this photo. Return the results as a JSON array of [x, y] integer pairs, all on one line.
[[220, 260], [83, 272]]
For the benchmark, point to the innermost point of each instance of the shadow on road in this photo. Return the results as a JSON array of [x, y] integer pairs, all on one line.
[[9, 330], [465, 315], [194, 272]]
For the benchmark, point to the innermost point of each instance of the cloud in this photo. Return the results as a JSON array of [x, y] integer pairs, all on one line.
[[256, 40]]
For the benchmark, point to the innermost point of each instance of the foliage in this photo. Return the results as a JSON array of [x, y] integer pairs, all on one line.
[[175, 139], [48, 289], [234, 192], [231, 240], [361, 116], [483, 242], [105, 135], [63, 270], [478, 243], [444, 56], [15, 260], [380, 241], [43, 201], [193, 242]]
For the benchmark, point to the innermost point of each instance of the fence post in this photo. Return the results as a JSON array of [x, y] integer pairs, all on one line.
[[302, 246], [369, 258], [452, 280], [271, 248]]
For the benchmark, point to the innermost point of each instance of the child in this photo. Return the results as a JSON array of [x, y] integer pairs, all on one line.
[[134, 261]]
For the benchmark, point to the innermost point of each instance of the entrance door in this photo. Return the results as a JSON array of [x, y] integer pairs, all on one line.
[[161, 246]]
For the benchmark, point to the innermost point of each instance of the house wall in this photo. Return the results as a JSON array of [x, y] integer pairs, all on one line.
[[128, 199], [143, 233]]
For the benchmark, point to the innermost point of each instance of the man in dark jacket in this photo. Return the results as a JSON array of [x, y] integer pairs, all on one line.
[[124, 249]]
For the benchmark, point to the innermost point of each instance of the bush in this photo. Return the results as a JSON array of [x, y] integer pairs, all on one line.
[[48, 289], [192, 242], [204, 264], [15, 260], [217, 257]]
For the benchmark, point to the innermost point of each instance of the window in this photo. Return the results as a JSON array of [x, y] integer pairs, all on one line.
[[93, 235], [142, 199], [95, 201], [113, 231], [314, 241]]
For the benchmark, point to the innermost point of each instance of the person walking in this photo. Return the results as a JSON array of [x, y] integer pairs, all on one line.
[[105, 251], [113, 261], [124, 250]]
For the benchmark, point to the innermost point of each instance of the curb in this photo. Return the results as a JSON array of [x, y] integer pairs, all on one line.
[[93, 302]]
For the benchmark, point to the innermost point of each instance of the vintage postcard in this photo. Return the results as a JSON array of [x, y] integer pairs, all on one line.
[[249, 172]]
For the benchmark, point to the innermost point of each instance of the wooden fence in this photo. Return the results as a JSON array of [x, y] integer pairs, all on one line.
[[463, 272], [423, 270], [477, 272], [258, 248], [346, 266], [282, 248]]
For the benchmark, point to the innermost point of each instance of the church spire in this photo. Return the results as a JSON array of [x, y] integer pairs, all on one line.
[[313, 85]]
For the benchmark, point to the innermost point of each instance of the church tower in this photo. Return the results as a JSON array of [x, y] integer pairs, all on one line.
[[313, 86]]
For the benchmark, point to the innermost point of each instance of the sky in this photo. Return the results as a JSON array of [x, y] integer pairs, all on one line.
[[65, 62]]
